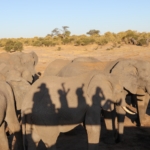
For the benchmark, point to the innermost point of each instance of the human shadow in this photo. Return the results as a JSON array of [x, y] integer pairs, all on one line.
[[63, 96], [42, 103]]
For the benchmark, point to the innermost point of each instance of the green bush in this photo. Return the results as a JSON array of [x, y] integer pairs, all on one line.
[[141, 42], [1, 45], [84, 41], [37, 43], [66, 41], [18, 46], [12, 46], [102, 41]]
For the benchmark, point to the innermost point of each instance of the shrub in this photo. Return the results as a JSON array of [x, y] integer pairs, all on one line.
[[84, 41], [12, 46], [37, 43], [9, 46], [66, 41], [59, 48], [1, 45], [102, 41], [18, 46], [142, 42]]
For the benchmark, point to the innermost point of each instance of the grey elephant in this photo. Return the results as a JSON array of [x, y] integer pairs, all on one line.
[[142, 71], [22, 62], [58, 64], [58, 104], [85, 59], [19, 74], [55, 66], [62, 67], [8, 115]]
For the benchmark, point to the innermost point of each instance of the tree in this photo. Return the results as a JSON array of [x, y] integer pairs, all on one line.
[[63, 33], [55, 32], [93, 32], [66, 32]]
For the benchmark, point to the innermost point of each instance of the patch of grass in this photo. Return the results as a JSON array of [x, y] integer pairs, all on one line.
[[96, 48], [58, 48]]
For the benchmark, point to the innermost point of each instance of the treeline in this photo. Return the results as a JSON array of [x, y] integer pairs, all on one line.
[[64, 37]]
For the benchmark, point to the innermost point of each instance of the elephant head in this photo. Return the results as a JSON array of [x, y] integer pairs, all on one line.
[[109, 91], [128, 71], [24, 63], [29, 60], [127, 74]]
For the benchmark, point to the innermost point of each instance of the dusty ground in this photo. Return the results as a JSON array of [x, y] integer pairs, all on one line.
[[135, 138]]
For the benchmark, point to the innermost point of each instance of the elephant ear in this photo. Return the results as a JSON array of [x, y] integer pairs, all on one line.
[[20, 88], [100, 92], [129, 78], [3, 104], [127, 75], [35, 57]]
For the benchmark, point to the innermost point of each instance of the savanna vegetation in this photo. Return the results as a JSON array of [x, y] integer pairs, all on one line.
[[63, 37]]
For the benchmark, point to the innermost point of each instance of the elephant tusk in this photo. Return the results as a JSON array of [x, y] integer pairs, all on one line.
[[128, 111]]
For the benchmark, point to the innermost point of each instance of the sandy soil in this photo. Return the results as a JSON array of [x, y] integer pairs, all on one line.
[[135, 138]]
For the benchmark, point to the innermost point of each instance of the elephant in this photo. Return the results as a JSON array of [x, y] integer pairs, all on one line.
[[55, 66], [142, 71], [61, 67], [58, 104], [58, 64], [18, 70], [8, 115], [85, 59], [23, 62]]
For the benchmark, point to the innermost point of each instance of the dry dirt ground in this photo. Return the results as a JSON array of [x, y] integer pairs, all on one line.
[[135, 138]]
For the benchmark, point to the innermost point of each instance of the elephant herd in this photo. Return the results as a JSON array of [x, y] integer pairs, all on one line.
[[69, 93]]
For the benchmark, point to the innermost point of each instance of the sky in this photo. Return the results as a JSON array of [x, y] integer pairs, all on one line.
[[30, 18]]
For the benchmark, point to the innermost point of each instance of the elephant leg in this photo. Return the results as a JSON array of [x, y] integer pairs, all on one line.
[[31, 138], [17, 143], [3, 138], [93, 128], [142, 103], [109, 119], [120, 122], [48, 135]]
